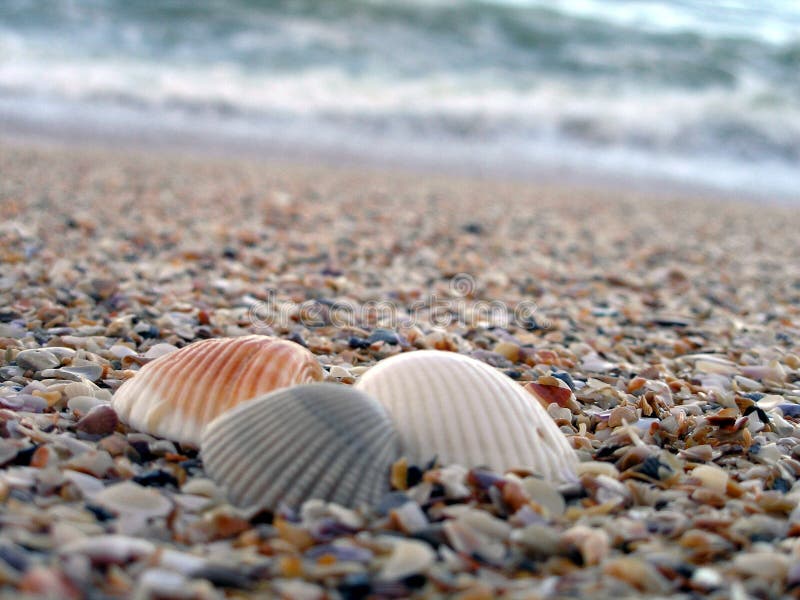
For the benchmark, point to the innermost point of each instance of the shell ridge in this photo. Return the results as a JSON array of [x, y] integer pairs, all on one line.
[[495, 443], [293, 450], [247, 428], [341, 450], [325, 440], [450, 426], [226, 372], [334, 478], [141, 384], [238, 379], [298, 469], [413, 438], [484, 441], [243, 470], [517, 422], [203, 357], [356, 471]]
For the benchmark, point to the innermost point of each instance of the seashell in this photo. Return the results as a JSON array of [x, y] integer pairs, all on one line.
[[176, 395], [321, 440], [463, 411]]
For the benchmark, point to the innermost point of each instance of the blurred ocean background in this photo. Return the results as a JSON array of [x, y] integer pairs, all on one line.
[[692, 91]]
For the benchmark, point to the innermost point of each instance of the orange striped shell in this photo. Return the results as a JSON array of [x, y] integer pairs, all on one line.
[[178, 394]]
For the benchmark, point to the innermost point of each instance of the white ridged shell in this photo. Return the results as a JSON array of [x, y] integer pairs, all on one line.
[[463, 411], [321, 440], [178, 394]]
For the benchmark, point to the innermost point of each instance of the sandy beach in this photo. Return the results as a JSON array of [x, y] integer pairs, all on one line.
[[672, 317]]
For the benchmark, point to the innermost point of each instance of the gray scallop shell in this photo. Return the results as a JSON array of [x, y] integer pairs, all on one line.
[[320, 440], [461, 410]]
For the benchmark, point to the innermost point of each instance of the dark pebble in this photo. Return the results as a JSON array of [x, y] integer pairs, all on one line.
[[297, 339], [473, 228], [355, 586], [437, 493], [140, 452], [100, 513], [223, 576], [650, 467], [383, 335], [41, 336], [781, 485], [531, 324], [573, 491], [415, 582], [790, 410], [357, 343], [146, 330], [191, 465], [263, 517], [23, 458], [413, 475], [566, 378], [7, 315], [156, 478], [671, 322], [762, 416], [14, 557], [483, 478]]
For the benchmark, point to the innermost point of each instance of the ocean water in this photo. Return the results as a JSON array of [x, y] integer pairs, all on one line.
[[694, 91]]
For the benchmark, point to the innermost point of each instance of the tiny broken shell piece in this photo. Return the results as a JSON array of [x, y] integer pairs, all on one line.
[[129, 497], [549, 390], [465, 412], [323, 440], [176, 395], [408, 557]]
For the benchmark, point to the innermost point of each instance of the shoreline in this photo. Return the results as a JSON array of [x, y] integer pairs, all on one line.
[[264, 151]]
